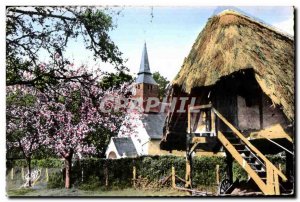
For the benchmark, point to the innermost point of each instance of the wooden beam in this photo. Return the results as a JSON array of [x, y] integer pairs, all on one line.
[[261, 118], [189, 120], [200, 193], [199, 140], [179, 178], [200, 107], [166, 179], [193, 148]]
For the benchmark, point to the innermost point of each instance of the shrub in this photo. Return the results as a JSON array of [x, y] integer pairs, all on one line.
[[55, 180], [92, 184]]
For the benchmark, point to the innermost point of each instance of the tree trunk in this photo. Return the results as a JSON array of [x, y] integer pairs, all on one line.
[[68, 166], [29, 171]]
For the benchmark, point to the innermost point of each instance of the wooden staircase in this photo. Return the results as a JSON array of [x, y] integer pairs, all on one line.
[[258, 167]]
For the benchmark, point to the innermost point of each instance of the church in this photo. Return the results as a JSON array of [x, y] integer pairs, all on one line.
[[149, 126]]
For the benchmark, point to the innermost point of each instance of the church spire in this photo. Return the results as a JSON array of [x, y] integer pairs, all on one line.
[[144, 74], [144, 66]]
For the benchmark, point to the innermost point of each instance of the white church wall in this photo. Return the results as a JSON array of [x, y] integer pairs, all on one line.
[[112, 148], [140, 139]]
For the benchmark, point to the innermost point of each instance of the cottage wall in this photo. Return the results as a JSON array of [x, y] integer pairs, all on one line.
[[272, 115], [248, 116], [252, 118]]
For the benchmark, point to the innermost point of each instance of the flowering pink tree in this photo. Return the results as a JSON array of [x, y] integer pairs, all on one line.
[[25, 130], [63, 117], [73, 111]]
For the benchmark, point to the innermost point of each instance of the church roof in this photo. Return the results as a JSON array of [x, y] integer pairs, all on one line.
[[145, 78], [125, 145], [144, 74], [154, 124]]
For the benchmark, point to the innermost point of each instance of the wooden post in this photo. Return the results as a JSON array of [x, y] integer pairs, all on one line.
[[134, 175], [173, 177], [188, 162], [280, 167], [217, 174], [189, 120], [47, 175], [229, 162], [188, 172], [22, 173], [12, 174], [106, 174]]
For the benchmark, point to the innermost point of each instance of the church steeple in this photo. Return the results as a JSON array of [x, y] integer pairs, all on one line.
[[144, 74], [145, 85], [144, 66]]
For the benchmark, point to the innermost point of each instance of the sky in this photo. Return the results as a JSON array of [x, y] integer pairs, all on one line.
[[169, 33]]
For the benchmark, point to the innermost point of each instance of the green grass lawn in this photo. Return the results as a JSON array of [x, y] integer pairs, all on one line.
[[100, 193]]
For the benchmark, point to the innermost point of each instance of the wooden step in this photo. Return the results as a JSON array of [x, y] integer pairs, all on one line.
[[244, 151], [239, 146], [261, 173], [256, 166], [264, 179], [234, 140], [250, 159], [230, 135]]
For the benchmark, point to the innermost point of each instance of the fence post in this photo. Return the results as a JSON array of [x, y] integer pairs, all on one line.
[[134, 175], [173, 177], [106, 174], [22, 173], [47, 175], [12, 174], [218, 174]]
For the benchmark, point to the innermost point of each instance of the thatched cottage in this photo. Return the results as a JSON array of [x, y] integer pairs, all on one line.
[[242, 74]]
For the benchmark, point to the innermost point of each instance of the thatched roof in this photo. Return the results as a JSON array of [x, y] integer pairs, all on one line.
[[231, 42]]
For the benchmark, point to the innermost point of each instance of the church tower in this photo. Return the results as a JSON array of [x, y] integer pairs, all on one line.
[[145, 85]]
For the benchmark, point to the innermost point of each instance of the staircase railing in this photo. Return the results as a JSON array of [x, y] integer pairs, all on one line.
[[271, 186]]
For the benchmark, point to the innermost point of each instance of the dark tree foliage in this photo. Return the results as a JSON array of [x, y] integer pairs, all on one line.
[[115, 80], [162, 84], [32, 30]]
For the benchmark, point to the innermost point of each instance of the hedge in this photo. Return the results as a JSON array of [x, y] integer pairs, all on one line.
[[90, 173]]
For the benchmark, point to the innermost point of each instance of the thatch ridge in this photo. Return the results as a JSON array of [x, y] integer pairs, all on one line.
[[231, 42]]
